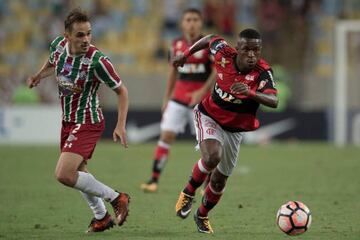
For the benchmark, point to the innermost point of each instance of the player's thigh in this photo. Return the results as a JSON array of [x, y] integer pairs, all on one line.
[[230, 152], [68, 165], [174, 118]]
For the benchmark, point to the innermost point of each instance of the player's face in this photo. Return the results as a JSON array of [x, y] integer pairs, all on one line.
[[249, 51], [79, 37], [191, 24]]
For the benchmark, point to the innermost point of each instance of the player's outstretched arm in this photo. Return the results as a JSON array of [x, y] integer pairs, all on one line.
[[123, 106], [180, 59], [45, 71], [270, 100]]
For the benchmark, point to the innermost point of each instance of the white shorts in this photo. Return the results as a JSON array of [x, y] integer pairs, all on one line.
[[207, 128], [175, 118]]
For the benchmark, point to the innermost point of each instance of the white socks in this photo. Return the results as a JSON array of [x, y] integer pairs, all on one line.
[[88, 184], [96, 204]]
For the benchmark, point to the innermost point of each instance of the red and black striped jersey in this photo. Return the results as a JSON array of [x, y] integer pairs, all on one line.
[[79, 78], [193, 75], [235, 113]]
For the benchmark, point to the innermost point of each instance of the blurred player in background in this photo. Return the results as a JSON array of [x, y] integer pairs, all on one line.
[[185, 88], [80, 68], [244, 81]]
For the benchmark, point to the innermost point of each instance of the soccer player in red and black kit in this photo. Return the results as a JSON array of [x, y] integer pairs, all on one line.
[[80, 68], [185, 88], [244, 80]]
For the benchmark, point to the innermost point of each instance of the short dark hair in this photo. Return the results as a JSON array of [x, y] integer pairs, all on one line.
[[192, 10], [76, 15], [250, 34]]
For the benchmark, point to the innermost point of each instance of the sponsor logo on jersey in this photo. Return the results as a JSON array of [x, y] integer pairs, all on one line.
[[249, 77], [223, 62], [226, 96], [67, 86], [192, 68]]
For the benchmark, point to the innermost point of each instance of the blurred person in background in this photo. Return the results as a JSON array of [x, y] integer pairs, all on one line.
[[244, 81], [185, 88], [80, 68]]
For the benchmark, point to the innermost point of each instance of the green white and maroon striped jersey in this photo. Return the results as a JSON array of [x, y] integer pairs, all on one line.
[[79, 78]]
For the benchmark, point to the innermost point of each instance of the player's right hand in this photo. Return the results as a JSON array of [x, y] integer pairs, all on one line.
[[179, 60], [33, 81]]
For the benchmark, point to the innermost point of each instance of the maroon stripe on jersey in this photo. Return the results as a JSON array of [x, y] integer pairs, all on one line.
[[110, 69], [84, 68], [57, 54], [68, 62], [270, 91], [198, 123]]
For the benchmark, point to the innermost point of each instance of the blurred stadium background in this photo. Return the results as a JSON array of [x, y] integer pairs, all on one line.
[[299, 42]]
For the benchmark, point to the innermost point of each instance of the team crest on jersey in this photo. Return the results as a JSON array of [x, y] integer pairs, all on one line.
[[220, 76], [250, 77], [262, 84], [86, 61], [199, 54], [223, 62], [71, 138], [210, 131]]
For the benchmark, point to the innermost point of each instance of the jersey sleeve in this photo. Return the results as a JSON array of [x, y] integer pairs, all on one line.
[[106, 73], [53, 46], [267, 83], [216, 44]]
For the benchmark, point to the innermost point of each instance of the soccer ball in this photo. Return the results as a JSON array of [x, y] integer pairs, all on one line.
[[293, 218]]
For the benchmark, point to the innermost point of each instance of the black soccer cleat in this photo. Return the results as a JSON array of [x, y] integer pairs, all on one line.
[[183, 205], [202, 223]]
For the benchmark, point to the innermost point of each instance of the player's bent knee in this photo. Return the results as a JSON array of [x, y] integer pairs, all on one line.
[[65, 179], [212, 159]]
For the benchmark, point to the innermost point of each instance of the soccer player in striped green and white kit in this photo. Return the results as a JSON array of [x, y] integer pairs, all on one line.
[[80, 68]]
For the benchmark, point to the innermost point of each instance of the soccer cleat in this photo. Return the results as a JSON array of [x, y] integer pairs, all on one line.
[[149, 187], [101, 225], [121, 208], [183, 205], [202, 223]]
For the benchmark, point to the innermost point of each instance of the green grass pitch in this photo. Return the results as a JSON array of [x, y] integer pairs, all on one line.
[[34, 206]]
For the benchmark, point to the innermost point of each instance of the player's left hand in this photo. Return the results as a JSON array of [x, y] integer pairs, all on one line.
[[196, 97], [120, 133], [179, 60], [240, 89]]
